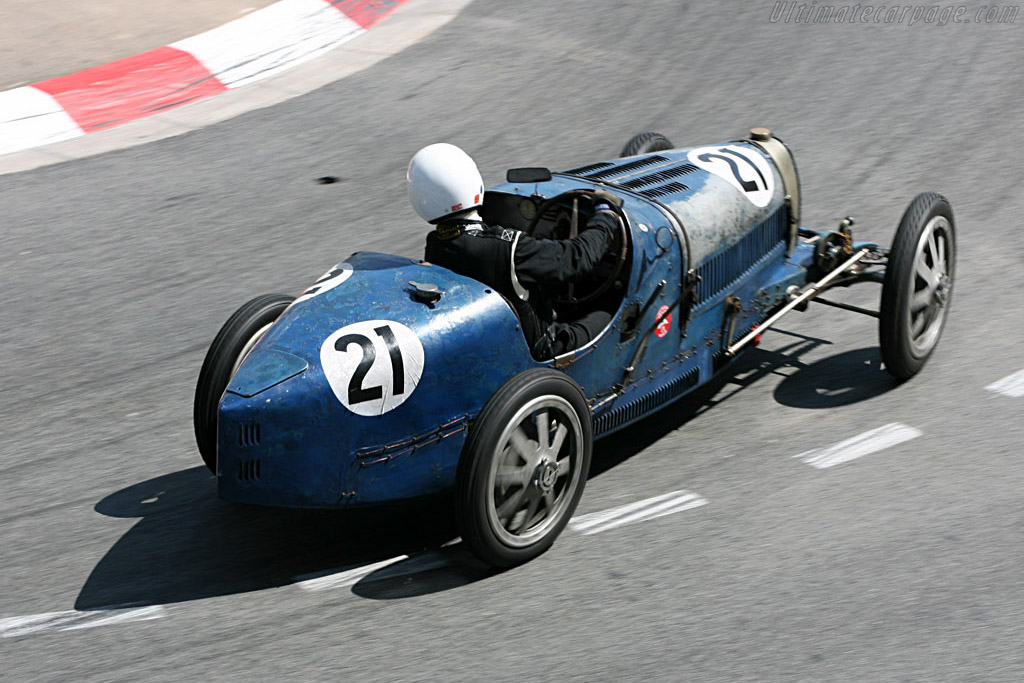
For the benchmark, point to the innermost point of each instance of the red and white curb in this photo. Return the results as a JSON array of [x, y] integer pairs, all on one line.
[[251, 48]]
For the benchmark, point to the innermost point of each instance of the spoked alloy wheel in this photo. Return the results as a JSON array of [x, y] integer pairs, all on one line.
[[532, 474], [524, 468], [918, 285], [929, 291]]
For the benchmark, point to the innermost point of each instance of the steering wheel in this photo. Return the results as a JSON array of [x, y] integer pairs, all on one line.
[[616, 250]]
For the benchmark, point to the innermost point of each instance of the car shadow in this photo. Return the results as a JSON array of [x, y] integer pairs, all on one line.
[[748, 369], [840, 380], [190, 545]]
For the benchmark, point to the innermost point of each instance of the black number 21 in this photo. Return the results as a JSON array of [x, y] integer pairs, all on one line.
[[357, 393], [747, 185]]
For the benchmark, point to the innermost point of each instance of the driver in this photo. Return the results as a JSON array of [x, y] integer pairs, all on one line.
[[445, 189]]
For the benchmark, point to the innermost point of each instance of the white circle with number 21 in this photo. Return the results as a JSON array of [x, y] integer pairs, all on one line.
[[743, 168], [372, 366]]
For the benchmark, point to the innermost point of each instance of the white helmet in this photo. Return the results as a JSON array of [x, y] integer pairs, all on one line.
[[443, 180]]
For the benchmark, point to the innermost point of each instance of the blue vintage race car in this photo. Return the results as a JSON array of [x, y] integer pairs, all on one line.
[[391, 378]]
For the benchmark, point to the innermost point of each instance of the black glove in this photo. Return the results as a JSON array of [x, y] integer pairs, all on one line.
[[604, 219], [605, 197]]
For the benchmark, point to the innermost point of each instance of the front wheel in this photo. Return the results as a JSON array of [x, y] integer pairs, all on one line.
[[229, 348], [523, 467], [646, 143], [918, 285]]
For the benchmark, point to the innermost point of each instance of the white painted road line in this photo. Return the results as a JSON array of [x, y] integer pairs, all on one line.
[[593, 523], [859, 446], [346, 577], [643, 510], [403, 565], [1012, 386], [72, 620]]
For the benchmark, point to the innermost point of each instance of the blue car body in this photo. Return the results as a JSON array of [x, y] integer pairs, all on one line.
[[364, 392]]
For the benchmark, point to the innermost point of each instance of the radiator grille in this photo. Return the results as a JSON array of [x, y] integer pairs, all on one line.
[[639, 407], [728, 266]]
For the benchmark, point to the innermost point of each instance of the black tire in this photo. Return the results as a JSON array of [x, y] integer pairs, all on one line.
[[646, 143], [226, 352], [495, 474], [918, 285]]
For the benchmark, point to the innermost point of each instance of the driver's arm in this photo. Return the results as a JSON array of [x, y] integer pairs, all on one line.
[[545, 262]]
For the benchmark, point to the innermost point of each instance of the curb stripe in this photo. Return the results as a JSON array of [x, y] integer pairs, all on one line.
[[250, 48], [30, 118], [131, 88], [269, 40], [859, 446], [366, 13]]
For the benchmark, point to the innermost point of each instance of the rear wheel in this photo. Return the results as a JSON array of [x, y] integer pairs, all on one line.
[[229, 348], [646, 143], [523, 468], [918, 285]]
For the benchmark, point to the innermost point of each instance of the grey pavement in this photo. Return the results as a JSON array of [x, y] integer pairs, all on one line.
[[118, 269], [46, 39]]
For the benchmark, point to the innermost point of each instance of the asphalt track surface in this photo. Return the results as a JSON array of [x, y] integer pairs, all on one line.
[[904, 564]]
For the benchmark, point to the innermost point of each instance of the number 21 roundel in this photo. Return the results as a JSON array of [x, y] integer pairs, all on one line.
[[743, 168], [372, 366]]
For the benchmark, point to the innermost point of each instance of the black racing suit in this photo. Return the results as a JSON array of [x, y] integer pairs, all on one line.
[[520, 267]]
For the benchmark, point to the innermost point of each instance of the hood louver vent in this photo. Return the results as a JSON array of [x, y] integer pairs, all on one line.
[[664, 190], [607, 171], [627, 168], [659, 176], [590, 168]]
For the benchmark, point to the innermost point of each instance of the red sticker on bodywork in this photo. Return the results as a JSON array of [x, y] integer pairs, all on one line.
[[457, 207], [665, 325]]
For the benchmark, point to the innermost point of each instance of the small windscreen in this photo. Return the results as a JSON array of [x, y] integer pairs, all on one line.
[[528, 175]]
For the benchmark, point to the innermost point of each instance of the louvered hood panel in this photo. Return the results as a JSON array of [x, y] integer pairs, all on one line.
[[718, 193]]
